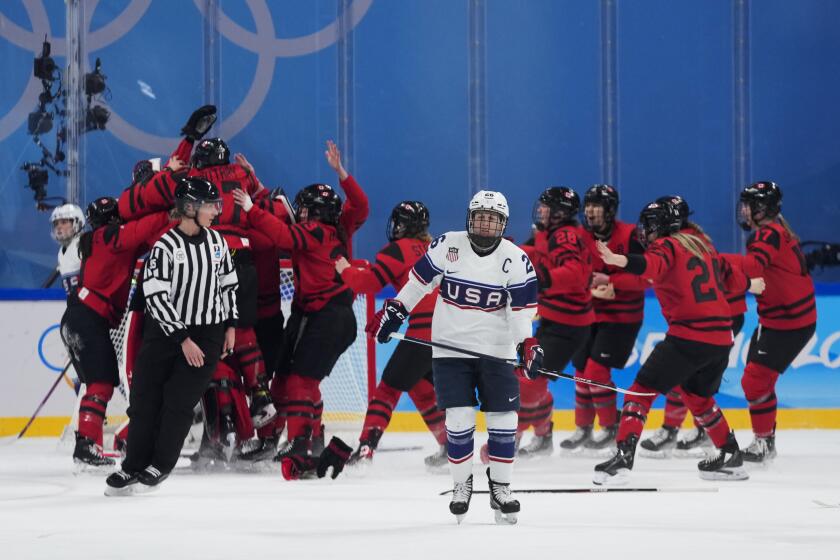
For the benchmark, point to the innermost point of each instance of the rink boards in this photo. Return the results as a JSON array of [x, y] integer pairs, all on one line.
[[808, 393]]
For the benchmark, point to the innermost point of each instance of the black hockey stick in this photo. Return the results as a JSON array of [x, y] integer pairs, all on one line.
[[546, 372], [43, 402], [594, 490]]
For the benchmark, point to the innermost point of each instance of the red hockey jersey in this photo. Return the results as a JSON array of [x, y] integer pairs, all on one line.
[[105, 277], [315, 246], [393, 263], [629, 303], [690, 292], [788, 302], [564, 267]]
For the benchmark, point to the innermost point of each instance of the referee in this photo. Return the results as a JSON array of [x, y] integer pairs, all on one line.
[[189, 282]]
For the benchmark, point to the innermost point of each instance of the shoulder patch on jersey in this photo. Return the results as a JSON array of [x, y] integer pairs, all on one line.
[[180, 255]]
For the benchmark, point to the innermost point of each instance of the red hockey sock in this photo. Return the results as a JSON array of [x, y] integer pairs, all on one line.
[[759, 384], [92, 410], [423, 396], [317, 417], [709, 417], [584, 408], [277, 388], [302, 393], [675, 409], [380, 409], [533, 397], [602, 399], [248, 357], [635, 411]]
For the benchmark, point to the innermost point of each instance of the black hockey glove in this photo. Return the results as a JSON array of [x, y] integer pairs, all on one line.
[[335, 456], [391, 317], [199, 122], [531, 356]]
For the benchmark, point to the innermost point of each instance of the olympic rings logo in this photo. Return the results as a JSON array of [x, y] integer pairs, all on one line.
[[264, 43]]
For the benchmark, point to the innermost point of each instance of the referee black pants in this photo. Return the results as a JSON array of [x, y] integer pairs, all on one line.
[[164, 391]]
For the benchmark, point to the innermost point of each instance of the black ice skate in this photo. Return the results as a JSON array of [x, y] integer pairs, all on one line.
[[603, 443], [150, 479], [261, 449], [761, 450], [318, 443], [539, 446], [616, 471], [727, 464], [120, 483], [575, 442], [460, 503], [660, 444], [88, 454], [694, 444], [437, 462], [504, 506], [262, 408], [364, 454]]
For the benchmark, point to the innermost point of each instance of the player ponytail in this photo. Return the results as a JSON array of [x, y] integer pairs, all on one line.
[[784, 223], [699, 231], [693, 244]]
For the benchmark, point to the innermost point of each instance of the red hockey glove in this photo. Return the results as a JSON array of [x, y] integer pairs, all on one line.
[[295, 466], [335, 456], [531, 356]]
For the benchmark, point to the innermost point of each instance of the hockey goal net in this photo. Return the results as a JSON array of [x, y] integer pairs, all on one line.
[[345, 391]]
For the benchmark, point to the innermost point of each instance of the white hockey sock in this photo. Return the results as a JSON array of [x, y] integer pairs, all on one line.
[[501, 444], [460, 430]]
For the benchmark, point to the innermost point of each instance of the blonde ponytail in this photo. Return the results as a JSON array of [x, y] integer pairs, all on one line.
[[693, 244], [784, 223]]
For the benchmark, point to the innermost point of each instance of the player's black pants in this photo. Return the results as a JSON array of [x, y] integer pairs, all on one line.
[[164, 391]]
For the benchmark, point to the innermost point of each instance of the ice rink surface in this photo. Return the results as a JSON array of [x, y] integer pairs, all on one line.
[[393, 510]]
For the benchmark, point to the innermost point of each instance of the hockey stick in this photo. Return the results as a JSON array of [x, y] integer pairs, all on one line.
[[43, 402], [514, 363], [595, 490]]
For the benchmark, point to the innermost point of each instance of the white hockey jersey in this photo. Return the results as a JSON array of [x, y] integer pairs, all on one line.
[[70, 265], [486, 303]]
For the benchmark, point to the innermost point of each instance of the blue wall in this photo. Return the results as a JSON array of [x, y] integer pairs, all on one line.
[[410, 113]]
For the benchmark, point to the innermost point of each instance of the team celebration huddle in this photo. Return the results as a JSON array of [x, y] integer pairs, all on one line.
[[489, 323]]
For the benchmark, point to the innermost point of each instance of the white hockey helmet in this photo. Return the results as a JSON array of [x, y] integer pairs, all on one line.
[[487, 219], [67, 212]]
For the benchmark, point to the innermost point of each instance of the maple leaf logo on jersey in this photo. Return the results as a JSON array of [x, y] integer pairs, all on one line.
[[452, 255]]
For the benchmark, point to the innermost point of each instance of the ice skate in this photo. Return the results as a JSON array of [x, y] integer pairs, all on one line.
[[727, 464], [437, 462], [762, 450], [461, 495], [505, 507], [88, 456], [601, 444], [150, 479], [575, 442], [260, 449], [539, 446], [695, 444], [120, 483], [364, 454], [661, 444], [616, 471]]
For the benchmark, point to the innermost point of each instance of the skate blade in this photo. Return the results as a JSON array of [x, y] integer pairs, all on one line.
[[660, 454], [460, 517], [534, 456], [438, 469], [599, 453], [733, 474], [505, 518], [82, 468], [120, 492], [692, 453], [620, 478]]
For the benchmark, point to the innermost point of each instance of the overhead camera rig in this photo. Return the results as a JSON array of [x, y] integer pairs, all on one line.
[[52, 107]]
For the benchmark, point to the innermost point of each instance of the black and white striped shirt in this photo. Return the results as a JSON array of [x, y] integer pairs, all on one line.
[[190, 281]]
